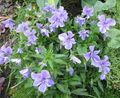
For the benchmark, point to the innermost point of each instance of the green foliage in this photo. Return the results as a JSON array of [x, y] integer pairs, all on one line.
[[85, 82], [42, 3], [24, 93], [99, 6], [114, 75], [114, 34]]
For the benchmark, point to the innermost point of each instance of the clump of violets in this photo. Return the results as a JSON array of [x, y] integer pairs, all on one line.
[[45, 58], [30, 34], [103, 66], [104, 23], [67, 39], [83, 34], [42, 80], [22, 27], [59, 16]]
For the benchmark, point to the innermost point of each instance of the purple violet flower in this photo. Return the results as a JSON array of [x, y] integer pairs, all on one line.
[[105, 23], [19, 51], [103, 66], [42, 80], [38, 50], [6, 50], [88, 12], [25, 73], [5, 53], [75, 59], [58, 18], [67, 39], [39, 25], [23, 27], [31, 36], [93, 55], [80, 20], [9, 24], [50, 8], [2, 59], [83, 34], [71, 71]]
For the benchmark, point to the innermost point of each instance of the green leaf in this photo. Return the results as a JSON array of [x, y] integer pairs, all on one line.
[[114, 34], [81, 50], [80, 92], [75, 83], [88, 2], [60, 61], [53, 2], [96, 91], [51, 64], [28, 84], [40, 3], [61, 88], [99, 6], [60, 56], [100, 86]]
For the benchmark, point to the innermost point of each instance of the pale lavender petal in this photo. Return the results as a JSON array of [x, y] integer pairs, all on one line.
[[35, 76], [45, 74], [37, 82], [91, 48], [102, 76], [87, 56], [68, 46], [71, 71], [25, 73], [50, 82], [42, 88], [62, 36], [111, 21]]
